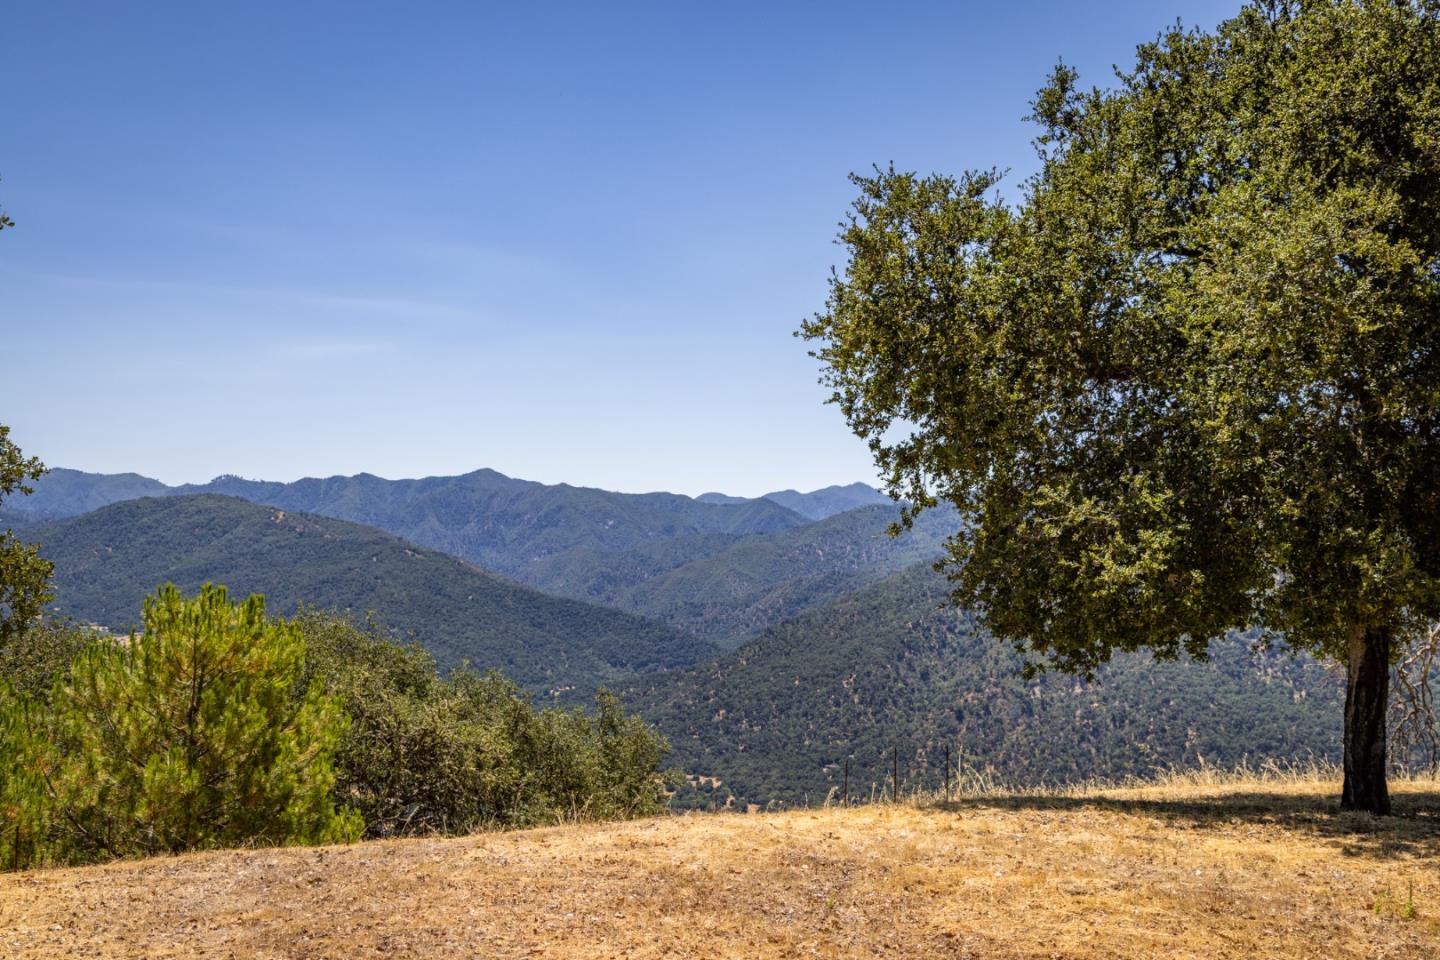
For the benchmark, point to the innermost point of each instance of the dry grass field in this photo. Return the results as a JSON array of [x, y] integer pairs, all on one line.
[[1247, 869]]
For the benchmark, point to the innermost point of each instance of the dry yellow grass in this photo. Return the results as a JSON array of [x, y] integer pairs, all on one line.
[[1244, 869]]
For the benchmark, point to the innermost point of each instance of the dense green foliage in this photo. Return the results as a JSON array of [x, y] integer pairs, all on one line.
[[24, 574], [195, 732], [32, 664], [1190, 382], [429, 754], [108, 559], [890, 667]]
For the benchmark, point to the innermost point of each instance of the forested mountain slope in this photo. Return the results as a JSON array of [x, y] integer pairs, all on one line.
[[107, 560], [887, 668], [843, 665], [733, 589]]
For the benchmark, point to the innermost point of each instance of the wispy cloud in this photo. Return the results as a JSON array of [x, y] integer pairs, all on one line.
[[383, 306]]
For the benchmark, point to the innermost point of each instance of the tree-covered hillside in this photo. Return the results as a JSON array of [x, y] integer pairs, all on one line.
[[732, 590], [888, 668], [107, 560]]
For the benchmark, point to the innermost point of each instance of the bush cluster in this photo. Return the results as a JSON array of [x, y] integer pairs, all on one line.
[[218, 726], [432, 754]]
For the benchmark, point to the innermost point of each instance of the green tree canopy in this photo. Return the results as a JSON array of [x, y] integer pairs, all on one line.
[[1189, 380], [24, 574]]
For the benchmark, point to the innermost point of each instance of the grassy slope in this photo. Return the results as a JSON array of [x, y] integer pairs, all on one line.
[[1221, 873], [887, 667], [106, 561]]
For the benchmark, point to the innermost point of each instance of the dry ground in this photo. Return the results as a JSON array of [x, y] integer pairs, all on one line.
[[1247, 870]]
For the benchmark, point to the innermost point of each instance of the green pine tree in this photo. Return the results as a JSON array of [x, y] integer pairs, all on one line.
[[193, 733]]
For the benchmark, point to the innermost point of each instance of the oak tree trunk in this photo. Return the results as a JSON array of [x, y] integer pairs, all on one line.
[[1366, 699]]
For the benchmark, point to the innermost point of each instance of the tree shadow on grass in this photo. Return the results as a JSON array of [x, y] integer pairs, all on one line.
[[1412, 830]]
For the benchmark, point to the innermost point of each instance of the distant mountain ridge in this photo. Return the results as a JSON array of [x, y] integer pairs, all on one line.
[[107, 560], [485, 517], [65, 493], [713, 569], [815, 505], [719, 571]]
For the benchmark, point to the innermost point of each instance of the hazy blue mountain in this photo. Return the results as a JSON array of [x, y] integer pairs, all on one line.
[[721, 498], [888, 667], [815, 505], [106, 561], [18, 522], [68, 493], [828, 501]]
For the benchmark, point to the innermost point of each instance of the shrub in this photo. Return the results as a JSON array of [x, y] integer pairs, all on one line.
[[197, 732], [452, 755]]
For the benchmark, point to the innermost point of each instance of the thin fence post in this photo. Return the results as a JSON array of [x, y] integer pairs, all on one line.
[[947, 772], [895, 775], [846, 793]]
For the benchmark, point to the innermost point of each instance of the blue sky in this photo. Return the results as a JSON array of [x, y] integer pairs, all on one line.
[[566, 241]]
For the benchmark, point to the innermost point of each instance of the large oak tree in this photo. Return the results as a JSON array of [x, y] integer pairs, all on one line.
[[1188, 379]]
